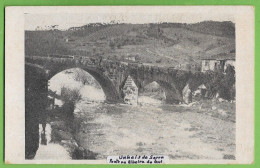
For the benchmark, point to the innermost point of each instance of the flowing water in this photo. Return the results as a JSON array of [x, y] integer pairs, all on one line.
[[167, 130], [151, 127]]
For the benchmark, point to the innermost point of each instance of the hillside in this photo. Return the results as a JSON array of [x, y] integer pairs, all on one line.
[[170, 44]]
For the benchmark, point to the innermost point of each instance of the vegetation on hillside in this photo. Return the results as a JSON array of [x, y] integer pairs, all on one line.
[[170, 44]]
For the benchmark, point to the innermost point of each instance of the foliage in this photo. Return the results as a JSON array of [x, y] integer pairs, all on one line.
[[216, 82], [81, 76], [45, 43], [85, 78], [112, 45], [226, 29], [149, 39], [196, 80], [213, 82], [159, 60], [224, 84], [227, 89], [71, 96]]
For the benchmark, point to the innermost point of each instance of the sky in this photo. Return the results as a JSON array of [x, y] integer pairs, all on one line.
[[67, 20]]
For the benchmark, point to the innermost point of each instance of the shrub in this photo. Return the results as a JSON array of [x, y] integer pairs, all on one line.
[[158, 61], [112, 45], [217, 82], [71, 96], [118, 45], [45, 43], [213, 82], [227, 90]]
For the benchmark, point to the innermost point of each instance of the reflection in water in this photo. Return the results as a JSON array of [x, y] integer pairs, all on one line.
[[48, 149], [57, 126], [43, 138], [43, 127]]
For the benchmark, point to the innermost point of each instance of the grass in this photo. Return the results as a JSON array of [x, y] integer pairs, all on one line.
[[172, 44]]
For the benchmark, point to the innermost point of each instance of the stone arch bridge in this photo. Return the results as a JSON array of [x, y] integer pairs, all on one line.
[[111, 75]]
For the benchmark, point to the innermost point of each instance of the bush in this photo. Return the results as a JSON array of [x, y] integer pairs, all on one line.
[[112, 45], [227, 90], [118, 46], [158, 61], [45, 43], [71, 96], [217, 82], [213, 82]]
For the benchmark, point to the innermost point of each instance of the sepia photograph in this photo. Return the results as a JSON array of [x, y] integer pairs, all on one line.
[[109, 84]]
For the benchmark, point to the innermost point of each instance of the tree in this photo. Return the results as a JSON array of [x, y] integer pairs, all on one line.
[[223, 84], [118, 45], [227, 90], [70, 95], [158, 61], [115, 57], [112, 45], [137, 58]]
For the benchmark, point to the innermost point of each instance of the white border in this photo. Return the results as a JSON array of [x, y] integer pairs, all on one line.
[[14, 72]]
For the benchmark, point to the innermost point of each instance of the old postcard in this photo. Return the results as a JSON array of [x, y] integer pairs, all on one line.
[[129, 85]]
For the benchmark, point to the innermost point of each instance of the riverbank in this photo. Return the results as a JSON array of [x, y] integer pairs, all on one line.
[[63, 133]]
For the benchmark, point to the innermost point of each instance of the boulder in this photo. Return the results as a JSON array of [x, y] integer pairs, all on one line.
[[222, 112]]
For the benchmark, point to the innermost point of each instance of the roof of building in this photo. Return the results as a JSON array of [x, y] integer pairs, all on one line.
[[222, 56], [202, 87]]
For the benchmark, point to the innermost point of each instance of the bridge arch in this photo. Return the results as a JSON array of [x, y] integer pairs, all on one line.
[[110, 90], [154, 90], [172, 94]]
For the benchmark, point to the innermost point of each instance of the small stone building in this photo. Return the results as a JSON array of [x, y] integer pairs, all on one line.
[[218, 62], [209, 65], [130, 91], [130, 58]]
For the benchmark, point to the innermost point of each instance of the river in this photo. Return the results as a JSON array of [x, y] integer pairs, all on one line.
[[167, 130], [152, 127], [108, 129]]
